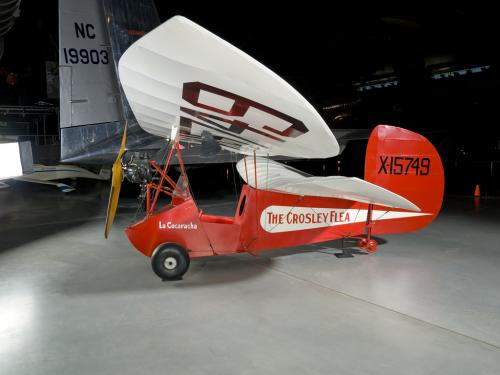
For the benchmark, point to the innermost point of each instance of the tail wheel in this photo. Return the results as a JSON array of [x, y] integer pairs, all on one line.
[[371, 246], [368, 245], [170, 261], [361, 243]]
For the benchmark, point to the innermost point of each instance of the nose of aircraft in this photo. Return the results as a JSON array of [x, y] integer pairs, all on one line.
[[140, 235]]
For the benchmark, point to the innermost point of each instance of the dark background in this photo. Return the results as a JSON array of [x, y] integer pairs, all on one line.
[[324, 52]]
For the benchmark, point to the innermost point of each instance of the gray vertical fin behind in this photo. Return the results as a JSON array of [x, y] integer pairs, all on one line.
[[127, 21]]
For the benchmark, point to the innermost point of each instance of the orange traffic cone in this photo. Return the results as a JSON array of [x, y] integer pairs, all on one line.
[[477, 191]]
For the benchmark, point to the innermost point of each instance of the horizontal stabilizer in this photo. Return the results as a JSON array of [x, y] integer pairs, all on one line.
[[272, 175]]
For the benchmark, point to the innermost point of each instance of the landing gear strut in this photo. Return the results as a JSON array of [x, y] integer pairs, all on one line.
[[367, 243]]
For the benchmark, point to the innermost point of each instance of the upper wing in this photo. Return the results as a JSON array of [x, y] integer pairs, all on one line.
[[276, 176], [182, 75]]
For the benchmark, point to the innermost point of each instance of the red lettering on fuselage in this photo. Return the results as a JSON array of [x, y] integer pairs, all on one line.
[[308, 218]]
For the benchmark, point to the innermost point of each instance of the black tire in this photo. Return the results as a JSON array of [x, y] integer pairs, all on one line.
[[170, 261]]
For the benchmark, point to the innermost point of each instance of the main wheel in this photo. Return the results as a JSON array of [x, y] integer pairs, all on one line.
[[170, 261]]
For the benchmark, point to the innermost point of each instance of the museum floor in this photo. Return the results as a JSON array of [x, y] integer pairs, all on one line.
[[74, 303]]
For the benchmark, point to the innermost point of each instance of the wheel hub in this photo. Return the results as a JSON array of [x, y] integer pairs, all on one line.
[[170, 263]]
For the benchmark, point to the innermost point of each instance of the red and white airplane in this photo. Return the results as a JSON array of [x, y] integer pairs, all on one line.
[[185, 83]]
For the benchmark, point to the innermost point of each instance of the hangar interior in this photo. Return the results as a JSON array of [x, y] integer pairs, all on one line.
[[426, 302]]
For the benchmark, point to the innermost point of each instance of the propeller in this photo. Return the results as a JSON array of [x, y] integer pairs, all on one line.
[[116, 184]]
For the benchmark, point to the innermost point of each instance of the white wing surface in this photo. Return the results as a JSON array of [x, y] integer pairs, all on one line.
[[180, 74], [272, 175]]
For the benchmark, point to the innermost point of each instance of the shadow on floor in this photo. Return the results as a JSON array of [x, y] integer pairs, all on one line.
[[329, 247], [134, 275], [32, 211]]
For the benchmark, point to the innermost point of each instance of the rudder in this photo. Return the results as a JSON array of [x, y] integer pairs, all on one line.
[[405, 163]]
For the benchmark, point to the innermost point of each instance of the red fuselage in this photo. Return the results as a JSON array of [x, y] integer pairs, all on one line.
[[264, 220]]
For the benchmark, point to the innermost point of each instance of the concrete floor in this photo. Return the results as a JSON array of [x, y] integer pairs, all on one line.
[[74, 303]]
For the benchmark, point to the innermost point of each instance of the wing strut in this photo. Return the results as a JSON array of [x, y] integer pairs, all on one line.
[[166, 184]]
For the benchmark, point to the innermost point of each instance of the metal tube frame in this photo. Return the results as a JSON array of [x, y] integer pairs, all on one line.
[[165, 180]]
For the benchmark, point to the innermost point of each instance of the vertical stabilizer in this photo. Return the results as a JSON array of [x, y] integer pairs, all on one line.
[[407, 164]]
